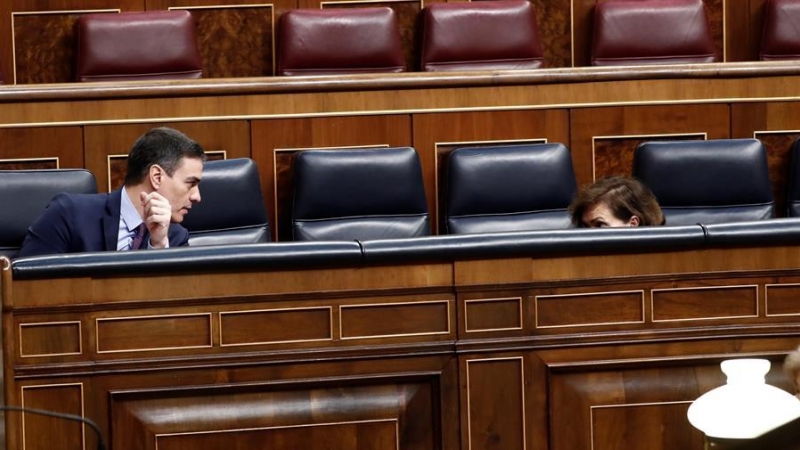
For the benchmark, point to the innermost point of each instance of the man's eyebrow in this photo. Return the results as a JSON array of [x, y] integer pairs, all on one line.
[[193, 179]]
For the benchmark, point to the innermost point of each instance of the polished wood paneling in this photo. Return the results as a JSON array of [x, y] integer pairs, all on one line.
[[275, 142], [616, 129], [273, 326], [781, 299], [493, 314], [705, 303], [41, 147], [42, 432], [395, 319], [661, 425], [167, 332], [554, 19], [102, 142], [236, 41], [49, 339], [589, 308], [495, 404]]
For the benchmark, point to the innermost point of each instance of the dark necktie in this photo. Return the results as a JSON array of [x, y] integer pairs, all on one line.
[[139, 236]]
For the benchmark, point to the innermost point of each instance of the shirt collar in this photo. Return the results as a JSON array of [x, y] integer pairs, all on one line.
[[128, 212]]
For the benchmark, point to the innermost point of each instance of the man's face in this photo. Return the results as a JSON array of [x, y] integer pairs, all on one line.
[[182, 188]]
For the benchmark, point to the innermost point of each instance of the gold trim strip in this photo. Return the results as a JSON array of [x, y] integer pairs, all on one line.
[[756, 133], [44, 324], [588, 294], [766, 299], [46, 158], [697, 288], [39, 386], [305, 425], [228, 313], [386, 305], [110, 319], [522, 400], [361, 2], [488, 300]]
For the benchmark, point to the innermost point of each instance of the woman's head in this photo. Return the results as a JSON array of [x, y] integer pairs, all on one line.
[[616, 202]]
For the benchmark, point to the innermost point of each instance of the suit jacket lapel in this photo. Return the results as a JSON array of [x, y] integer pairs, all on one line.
[[111, 220]]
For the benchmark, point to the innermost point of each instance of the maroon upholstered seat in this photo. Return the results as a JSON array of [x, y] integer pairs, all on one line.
[[480, 36], [651, 32], [781, 36], [339, 41], [153, 45]]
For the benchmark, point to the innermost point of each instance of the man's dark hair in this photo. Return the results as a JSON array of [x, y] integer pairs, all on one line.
[[625, 197], [163, 146]]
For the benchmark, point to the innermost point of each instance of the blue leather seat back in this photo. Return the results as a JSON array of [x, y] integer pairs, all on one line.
[[793, 193], [725, 180], [358, 194], [231, 210], [509, 188], [24, 194]]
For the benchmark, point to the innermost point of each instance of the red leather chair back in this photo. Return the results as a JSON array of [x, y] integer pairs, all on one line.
[[651, 32], [480, 36], [153, 45], [781, 36], [339, 41]]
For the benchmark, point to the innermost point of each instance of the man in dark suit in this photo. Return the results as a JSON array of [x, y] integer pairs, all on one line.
[[161, 185]]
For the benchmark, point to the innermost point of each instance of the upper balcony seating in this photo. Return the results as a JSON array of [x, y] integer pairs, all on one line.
[[651, 32], [339, 41], [781, 36], [232, 209], [24, 194], [480, 36], [358, 194], [509, 188], [725, 180], [153, 45]]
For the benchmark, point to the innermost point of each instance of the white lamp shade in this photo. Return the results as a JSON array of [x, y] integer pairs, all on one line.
[[746, 407]]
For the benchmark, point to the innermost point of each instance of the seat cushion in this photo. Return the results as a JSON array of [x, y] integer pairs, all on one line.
[[358, 194], [339, 41], [781, 35], [509, 188], [480, 36], [645, 32], [715, 181], [153, 45]]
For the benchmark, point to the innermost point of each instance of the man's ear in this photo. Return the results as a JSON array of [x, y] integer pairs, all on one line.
[[634, 221], [156, 175]]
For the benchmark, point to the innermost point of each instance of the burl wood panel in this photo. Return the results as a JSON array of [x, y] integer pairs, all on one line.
[[395, 319], [167, 332], [705, 303], [442, 131], [782, 299], [235, 41], [495, 405], [48, 433], [779, 152], [590, 308], [554, 20], [41, 147], [588, 125], [583, 16], [273, 326], [614, 155], [101, 141], [275, 141], [363, 413], [493, 314], [50, 339]]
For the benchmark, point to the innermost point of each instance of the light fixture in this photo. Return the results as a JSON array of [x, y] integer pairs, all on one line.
[[746, 407]]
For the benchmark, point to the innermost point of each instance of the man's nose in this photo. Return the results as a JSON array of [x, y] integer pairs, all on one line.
[[195, 195]]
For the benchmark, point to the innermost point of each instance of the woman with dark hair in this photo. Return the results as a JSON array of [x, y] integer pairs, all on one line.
[[616, 202]]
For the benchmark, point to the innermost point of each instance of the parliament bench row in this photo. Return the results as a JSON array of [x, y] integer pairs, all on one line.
[[363, 194], [496, 35], [328, 254]]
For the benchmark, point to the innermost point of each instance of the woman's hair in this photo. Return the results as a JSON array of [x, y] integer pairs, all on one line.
[[625, 197], [791, 365]]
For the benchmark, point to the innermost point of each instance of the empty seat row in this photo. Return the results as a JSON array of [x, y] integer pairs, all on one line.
[[492, 35], [348, 194]]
